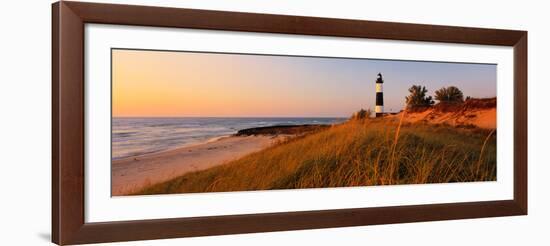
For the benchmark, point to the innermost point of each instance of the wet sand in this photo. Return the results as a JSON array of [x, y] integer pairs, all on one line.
[[134, 173]]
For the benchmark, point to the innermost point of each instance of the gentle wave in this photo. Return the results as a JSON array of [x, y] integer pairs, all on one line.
[[137, 136]]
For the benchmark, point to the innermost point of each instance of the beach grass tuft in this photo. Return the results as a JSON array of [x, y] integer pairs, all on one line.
[[362, 152]]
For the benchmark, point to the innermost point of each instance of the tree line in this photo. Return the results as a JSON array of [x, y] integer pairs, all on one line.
[[418, 97]]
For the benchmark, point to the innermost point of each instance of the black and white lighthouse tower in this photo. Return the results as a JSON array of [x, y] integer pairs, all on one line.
[[379, 109]]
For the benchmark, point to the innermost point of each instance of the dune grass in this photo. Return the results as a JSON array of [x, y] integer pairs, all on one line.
[[356, 153]]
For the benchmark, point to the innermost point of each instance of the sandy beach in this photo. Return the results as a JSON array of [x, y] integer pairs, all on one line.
[[134, 173]]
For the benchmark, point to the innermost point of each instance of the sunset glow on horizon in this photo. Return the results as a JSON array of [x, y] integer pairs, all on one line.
[[190, 84]]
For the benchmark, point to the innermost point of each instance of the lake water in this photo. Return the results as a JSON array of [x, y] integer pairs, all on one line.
[[136, 136]]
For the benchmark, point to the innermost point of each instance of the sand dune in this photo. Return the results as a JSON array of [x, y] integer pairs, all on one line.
[[482, 118], [481, 113], [134, 173]]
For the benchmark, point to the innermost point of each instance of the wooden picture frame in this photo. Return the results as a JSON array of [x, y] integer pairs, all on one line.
[[68, 115]]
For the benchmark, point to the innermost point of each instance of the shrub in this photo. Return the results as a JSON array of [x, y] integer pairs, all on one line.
[[449, 94], [361, 114], [417, 98]]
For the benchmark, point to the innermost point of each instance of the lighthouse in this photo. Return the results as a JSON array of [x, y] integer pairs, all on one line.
[[379, 109]]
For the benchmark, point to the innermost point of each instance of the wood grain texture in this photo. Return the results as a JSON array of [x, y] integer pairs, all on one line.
[[68, 224], [68, 122], [520, 122], [55, 123], [219, 225], [251, 22]]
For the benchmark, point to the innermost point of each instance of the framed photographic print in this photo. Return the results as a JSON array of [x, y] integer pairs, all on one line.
[[174, 122]]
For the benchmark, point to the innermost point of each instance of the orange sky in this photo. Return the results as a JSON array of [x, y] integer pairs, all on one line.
[[180, 84], [155, 84]]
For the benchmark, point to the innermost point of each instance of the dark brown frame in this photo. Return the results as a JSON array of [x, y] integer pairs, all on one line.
[[68, 224]]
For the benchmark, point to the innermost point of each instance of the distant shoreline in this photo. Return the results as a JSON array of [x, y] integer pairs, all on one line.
[[282, 129]]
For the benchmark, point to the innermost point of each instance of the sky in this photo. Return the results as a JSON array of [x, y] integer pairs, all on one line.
[[191, 84]]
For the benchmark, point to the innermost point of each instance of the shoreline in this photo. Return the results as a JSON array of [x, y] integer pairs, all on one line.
[[209, 140], [253, 131], [130, 174]]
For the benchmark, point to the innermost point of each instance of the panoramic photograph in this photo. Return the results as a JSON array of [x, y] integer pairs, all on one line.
[[193, 122]]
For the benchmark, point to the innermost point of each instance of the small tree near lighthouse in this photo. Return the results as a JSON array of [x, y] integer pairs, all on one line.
[[418, 99]]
